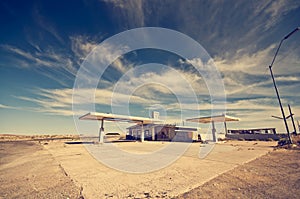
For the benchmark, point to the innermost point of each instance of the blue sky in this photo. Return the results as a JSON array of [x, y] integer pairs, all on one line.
[[43, 43]]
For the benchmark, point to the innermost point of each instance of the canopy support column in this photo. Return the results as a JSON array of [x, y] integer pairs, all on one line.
[[225, 126], [153, 132], [142, 133], [101, 132], [214, 131]]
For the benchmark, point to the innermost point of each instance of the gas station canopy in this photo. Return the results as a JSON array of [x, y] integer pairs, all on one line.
[[213, 119], [117, 118], [217, 118]]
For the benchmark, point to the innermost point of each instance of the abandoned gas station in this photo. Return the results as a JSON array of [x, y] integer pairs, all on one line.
[[154, 129]]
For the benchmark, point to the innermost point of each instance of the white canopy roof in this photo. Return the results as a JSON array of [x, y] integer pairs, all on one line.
[[216, 118], [118, 118]]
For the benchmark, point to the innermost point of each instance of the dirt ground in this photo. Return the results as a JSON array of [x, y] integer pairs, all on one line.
[[275, 175], [28, 169]]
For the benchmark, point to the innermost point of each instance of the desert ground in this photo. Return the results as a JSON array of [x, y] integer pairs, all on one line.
[[62, 167]]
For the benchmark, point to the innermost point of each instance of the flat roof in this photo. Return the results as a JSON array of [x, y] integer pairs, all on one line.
[[251, 129], [177, 128], [118, 118], [216, 118]]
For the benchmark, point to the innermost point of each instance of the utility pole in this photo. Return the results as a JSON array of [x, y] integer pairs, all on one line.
[[292, 117], [276, 90], [280, 104]]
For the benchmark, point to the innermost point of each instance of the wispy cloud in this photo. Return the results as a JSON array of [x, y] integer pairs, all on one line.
[[145, 90], [248, 73], [82, 45], [48, 62], [248, 24], [47, 25], [60, 101], [48, 58], [253, 63], [3, 106], [28, 56], [158, 80], [7, 107], [132, 9], [278, 9]]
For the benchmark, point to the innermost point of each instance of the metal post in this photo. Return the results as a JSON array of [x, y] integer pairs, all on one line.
[[142, 133], [213, 131], [292, 117], [153, 132], [225, 126], [101, 131], [279, 101], [135, 134]]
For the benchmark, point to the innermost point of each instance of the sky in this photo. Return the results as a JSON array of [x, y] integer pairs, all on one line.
[[43, 45]]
